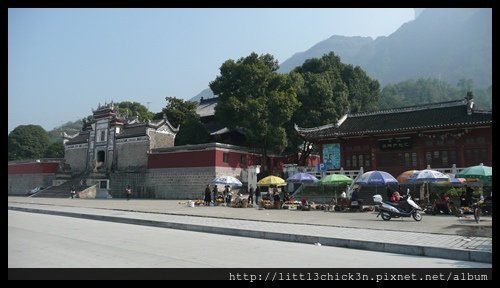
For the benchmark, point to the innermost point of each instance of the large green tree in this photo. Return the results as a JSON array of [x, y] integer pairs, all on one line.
[[55, 150], [178, 110], [254, 96], [135, 108], [329, 90], [192, 131], [183, 113], [27, 142]]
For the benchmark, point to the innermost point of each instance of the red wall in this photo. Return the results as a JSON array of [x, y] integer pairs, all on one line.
[[215, 158], [182, 159], [30, 168], [235, 159]]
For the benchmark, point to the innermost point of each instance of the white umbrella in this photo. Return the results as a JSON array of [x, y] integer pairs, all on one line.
[[429, 175], [227, 180]]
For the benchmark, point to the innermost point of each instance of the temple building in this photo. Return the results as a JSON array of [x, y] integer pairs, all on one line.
[[110, 142], [439, 135]]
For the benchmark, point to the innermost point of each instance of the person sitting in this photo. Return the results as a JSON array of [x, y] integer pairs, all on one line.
[[354, 194], [304, 202], [468, 195], [463, 200], [355, 201], [395, 197], [442, 204]]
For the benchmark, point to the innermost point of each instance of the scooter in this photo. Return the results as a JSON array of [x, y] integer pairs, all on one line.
[[406, 208]]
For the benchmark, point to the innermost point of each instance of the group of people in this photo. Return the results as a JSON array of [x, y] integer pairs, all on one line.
[[227, 194]]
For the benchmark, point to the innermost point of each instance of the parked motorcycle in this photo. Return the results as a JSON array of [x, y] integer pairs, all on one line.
[[405, 208]]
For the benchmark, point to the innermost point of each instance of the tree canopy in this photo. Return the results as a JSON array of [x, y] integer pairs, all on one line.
[[178, 110], [192, 131], [254, 96], [135, 108], [55, 150], [183, 113], [329, 89], [27, 142]]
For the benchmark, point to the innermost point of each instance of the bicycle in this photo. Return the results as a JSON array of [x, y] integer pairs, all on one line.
[[482, 207]]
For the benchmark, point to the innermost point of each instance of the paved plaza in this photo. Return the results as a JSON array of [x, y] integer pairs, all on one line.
[[435, 236]]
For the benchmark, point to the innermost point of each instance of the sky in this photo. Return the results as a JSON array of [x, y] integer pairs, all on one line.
[[62, 63]]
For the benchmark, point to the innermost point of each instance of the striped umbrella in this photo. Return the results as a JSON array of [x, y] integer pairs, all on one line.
[[407, 175]]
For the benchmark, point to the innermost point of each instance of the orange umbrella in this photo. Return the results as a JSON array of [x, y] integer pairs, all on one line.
[[403, 177]]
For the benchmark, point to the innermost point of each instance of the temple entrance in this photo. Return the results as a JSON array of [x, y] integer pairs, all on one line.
[[100, 156]]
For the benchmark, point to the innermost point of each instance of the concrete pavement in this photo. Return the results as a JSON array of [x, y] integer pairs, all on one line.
[[349, 230]]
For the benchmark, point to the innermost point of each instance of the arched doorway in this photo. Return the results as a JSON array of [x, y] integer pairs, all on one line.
[[101, 156]]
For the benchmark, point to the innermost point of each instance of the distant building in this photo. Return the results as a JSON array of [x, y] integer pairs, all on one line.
[[218, 132], [111, 142], [440, 135], [113, 151]]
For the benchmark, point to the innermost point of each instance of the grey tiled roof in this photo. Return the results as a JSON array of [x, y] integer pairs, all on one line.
[[452, 114], [79, 139], [207, 107], [133, 131]]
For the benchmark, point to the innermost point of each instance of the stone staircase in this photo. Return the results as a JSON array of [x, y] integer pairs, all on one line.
[[63, 190]]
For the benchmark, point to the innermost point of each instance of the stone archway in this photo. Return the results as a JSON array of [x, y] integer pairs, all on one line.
[[101, 156]]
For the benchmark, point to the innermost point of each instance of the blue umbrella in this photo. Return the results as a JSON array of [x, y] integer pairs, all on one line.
[[227, 180], [376, 178], [302, 178]]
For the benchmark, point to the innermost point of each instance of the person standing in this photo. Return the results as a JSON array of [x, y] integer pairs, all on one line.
[[207, 195], [250, 194], [257, 195], [468, 195], [73, 191], [128, 191], [227, 195], [215, 191]]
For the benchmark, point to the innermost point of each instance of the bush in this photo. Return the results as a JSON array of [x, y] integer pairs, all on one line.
[[455, 192]]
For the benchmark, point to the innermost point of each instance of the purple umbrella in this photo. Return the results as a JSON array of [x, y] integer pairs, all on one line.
[[376, 178], [302, 178]]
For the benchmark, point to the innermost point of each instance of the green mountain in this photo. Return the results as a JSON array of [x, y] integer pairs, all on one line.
[[444, 43]]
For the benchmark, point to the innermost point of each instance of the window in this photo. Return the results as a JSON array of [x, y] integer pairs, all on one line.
[[103, 136], [436, 154], [225, 157], [444, 157], [428, 158], [407, 159], [367, 161], [360, 159], [348, 162], [414, 159], [354, 161], [452, 155]]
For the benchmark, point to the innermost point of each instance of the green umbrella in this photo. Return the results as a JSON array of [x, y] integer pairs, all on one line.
[[480, 172], [336, 179]]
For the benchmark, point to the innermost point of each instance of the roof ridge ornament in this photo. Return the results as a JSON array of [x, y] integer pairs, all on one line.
[[470, 102]]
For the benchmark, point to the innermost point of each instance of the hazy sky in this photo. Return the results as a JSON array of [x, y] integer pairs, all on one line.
[[64, 62]]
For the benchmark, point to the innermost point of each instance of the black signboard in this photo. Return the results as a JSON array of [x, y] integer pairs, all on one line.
[[395, 143]]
